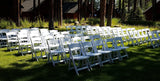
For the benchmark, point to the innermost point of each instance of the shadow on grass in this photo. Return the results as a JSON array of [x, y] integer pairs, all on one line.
[[19, 65], [142, 65]]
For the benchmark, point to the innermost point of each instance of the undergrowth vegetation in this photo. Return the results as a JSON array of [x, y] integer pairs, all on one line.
[[25, 23]]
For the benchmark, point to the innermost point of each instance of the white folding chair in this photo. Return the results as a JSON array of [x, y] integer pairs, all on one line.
[[95, 57], [100, 48], [24, 42], [37, 44], [65, 33], [110, 46], [12, 40], [124, 35], [3, 37], [15, 30], [46, 34], [120, 45], [85, 38], [55, 49], [79, 30], [53, 31], [153, 39], [107, 31], [84, 29], [133, 36], [34, 29], [144, 34], [72, 29], [80, 60], [89, 30]]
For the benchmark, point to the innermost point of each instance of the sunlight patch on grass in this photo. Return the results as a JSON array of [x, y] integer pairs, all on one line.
[[138, 68]]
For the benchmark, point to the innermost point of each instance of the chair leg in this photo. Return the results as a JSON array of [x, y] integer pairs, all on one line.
[[69, 67], [49, 57], [99, 60], [110, 57], [87, 63], [75, 67], [36, 56], [52, 60], [126, 53], [133, 42], [119, 55]]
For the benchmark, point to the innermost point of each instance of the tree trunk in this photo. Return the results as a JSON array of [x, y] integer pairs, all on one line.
[[92, 3], [51, 21], [123, 7], [79, 10], [60, 13], [56, 9], [145, 3], [109, 19], [102, 12], [17, 12], [154, 10], [129, 4], [123, 13], [34, 10], [141, 3], [86, 9], [107, 8], [113, 8], [39, 7], [119, 5], [135, 6]]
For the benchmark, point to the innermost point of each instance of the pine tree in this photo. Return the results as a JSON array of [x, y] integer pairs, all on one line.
[[102, 12]]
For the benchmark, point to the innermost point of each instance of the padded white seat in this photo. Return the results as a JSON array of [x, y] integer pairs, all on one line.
[[80, 60], [79, 57]]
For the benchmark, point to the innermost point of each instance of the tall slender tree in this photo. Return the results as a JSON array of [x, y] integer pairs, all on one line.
[[103, 12], [51, 21], [34, 9], [123, 9], [119, 5], [129, 5], [154, 10], [56, 10], [92, 3], [141, 3], [60, 19], [135, 5], [86, 8], [39, 7], [17, 12], [110, 12], [79, 10]]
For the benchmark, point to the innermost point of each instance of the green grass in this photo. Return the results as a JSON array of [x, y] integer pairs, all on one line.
[[142, 65]]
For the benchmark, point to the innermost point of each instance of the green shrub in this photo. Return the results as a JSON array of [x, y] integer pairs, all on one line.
[[26, 23], [13, 25], [93, 21], [140, 22], [136, 15], [4, 24]]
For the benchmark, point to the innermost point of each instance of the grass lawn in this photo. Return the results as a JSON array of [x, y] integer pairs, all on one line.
[[142, 65]]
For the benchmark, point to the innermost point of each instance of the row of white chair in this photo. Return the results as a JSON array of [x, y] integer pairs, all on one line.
[[130, 35], [96, 52]]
